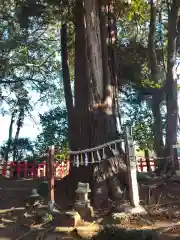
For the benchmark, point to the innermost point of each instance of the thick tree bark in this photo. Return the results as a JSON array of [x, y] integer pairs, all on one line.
[[94, 120], [104, 40], [81, 127], [171, 81], [92, 28]]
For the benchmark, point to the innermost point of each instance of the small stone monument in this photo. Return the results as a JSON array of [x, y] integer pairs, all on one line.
[[132, 176], [82, 203]]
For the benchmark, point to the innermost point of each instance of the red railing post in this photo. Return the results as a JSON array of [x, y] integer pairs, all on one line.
[[44, 169], [18, 168], [68, 165], [25, 169], [39, 170], [33, 169], [62, 167]]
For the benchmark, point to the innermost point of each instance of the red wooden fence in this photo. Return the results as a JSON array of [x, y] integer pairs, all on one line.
[[32, 170], [142, 166]]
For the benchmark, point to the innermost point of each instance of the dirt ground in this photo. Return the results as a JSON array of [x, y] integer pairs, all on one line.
[[160, 198]]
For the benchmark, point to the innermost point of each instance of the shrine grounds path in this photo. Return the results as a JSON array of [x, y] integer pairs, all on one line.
[[14, 192]]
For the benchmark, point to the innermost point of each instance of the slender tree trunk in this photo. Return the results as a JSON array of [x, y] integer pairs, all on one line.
[[10, 136], [157, 124], [19, 126], [66, 81], [171, 81], [156, 96], [146, 154]]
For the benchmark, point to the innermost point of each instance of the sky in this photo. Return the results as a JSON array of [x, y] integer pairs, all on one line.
[[31, 126]]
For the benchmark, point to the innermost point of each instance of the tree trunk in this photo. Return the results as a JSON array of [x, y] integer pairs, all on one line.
[[94, 121], [171, 81], [80, 126], [19, 126], [146, 154], [66, 81], [157, 124], [156, 96], [10, 136]]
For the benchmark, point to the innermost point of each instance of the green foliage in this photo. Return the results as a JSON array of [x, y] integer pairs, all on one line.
[[54, 129], [132, 19], [150, 83], [62, 153], [24, 149], [30, 53], [139, 116]]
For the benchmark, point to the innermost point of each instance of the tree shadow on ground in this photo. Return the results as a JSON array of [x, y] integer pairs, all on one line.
[[11, 223], [168, 230]]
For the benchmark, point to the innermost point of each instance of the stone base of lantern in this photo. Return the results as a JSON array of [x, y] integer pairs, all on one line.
[[85, 211]]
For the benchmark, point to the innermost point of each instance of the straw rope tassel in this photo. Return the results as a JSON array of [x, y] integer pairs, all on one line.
[[82, 160], [92, 157], [77, 160], [98, 156], [116, 149], [104, 154], [86, 159], [74, 160]]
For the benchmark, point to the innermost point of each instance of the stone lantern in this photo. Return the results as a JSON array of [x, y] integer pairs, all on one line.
[[82, 194], [82, 203], [33, 200]]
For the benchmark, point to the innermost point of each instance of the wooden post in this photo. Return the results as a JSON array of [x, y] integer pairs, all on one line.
[[51, 173], [47, 167], [131, 162]]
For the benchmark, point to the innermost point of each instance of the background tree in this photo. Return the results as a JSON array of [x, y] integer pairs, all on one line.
[[171, 80], [24, 148], [54, 129]]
